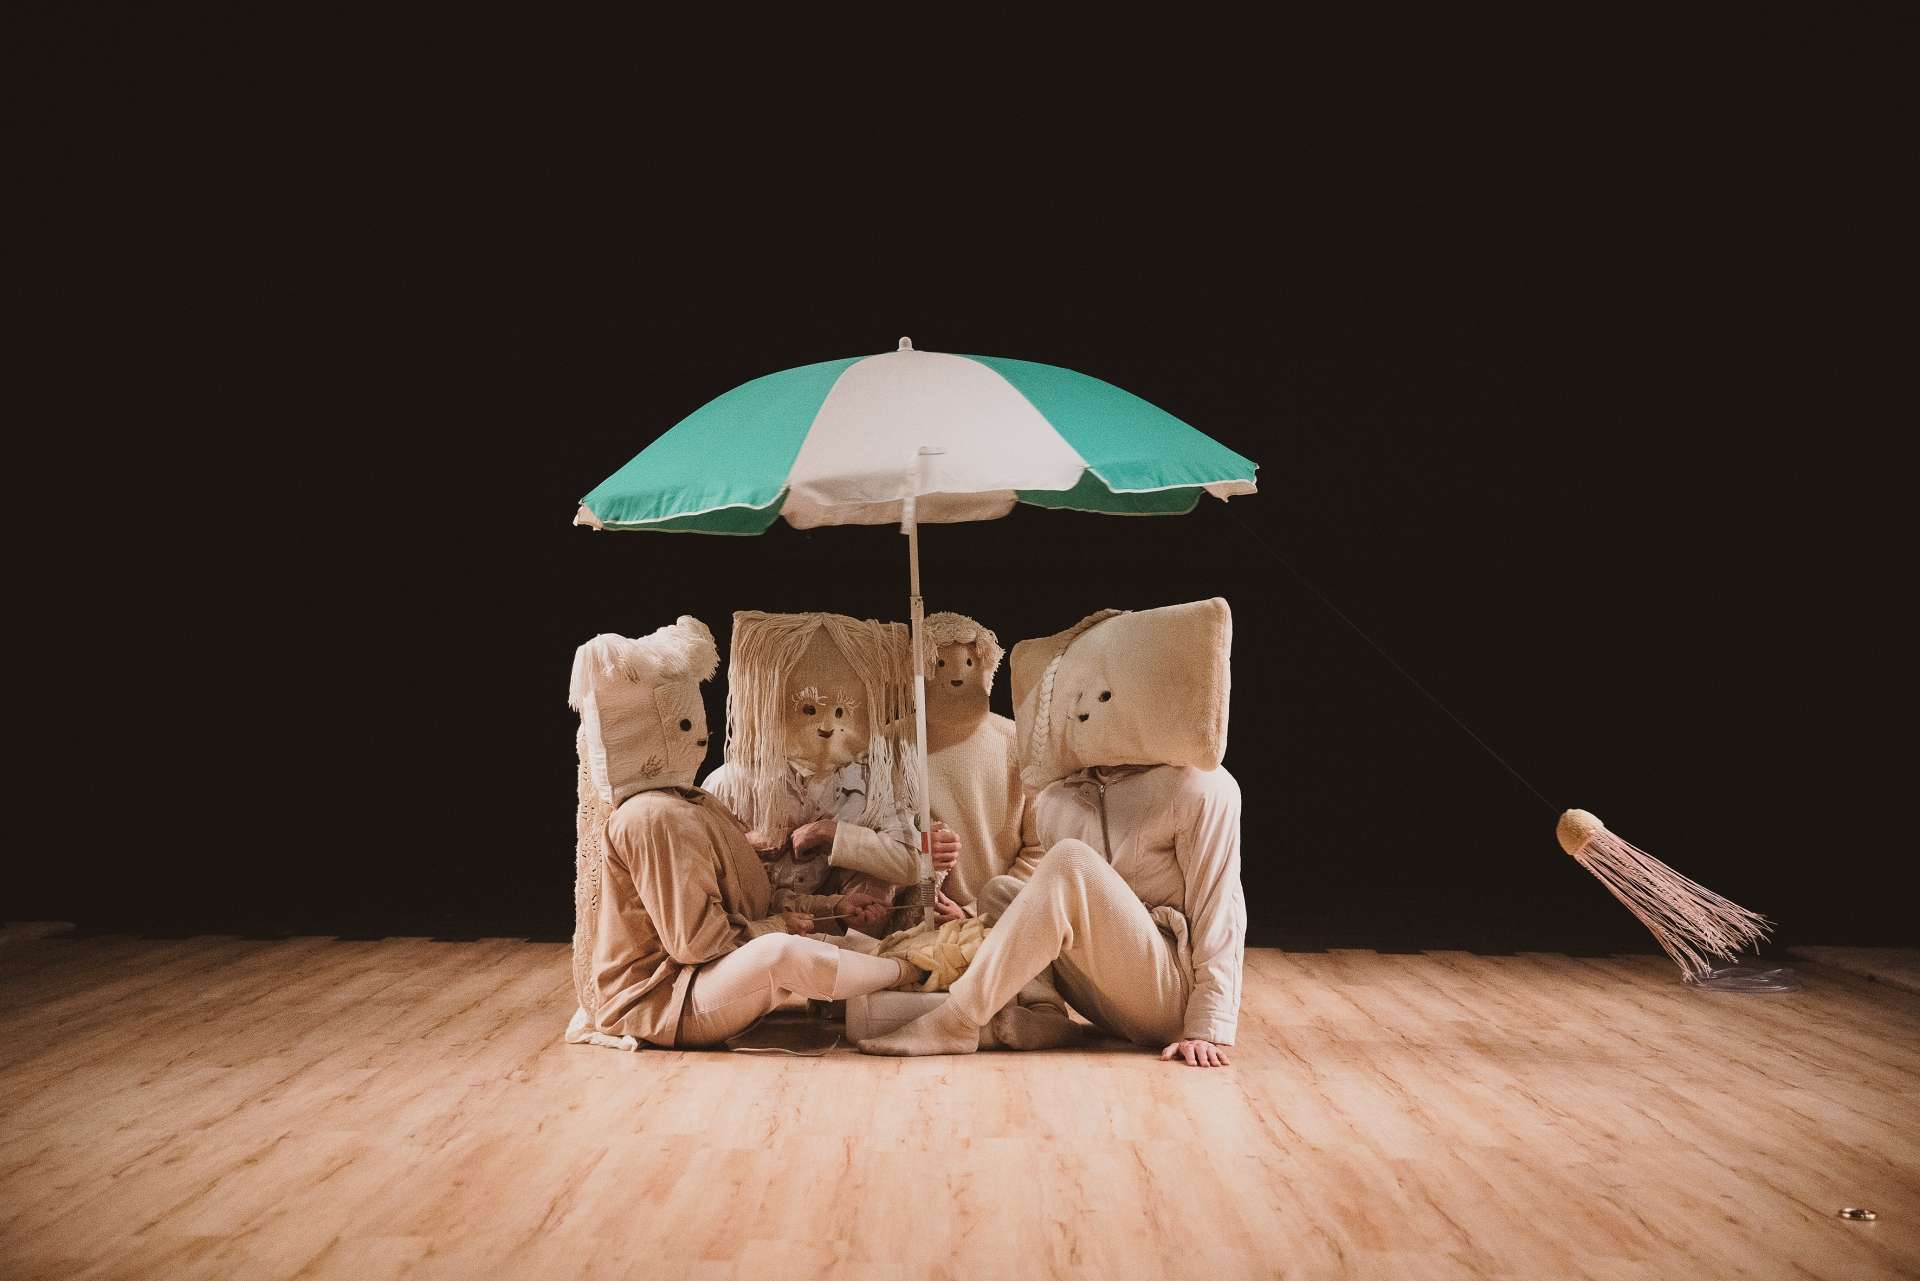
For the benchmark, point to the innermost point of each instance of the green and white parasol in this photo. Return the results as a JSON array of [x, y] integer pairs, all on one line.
[[911, 437]]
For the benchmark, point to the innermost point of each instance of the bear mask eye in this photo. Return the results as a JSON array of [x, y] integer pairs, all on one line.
[[940, 662], [838, 712], [808, 709], [686, 725], [1105, 695], [969, 662]]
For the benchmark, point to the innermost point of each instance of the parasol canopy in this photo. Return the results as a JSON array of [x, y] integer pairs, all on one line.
[[847, 442]]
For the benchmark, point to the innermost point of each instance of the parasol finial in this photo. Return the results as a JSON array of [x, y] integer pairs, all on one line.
[[906, 344]]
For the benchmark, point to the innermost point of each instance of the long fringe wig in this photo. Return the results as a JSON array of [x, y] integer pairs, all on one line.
[[766, 648]]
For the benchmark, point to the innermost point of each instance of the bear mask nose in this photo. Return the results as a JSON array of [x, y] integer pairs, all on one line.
[[955, 684], [699, 742], [824, 733], [1082, 716]]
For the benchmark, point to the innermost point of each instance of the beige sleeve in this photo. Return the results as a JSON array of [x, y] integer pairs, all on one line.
[[775, 924], [1031, 850], [674, 869], [865, 850], [1207, 847], [792, 901]]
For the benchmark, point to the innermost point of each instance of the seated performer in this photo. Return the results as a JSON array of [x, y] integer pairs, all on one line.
[[679, 939], [1137, 902], [812, 762], [974, 786], [973, 770]]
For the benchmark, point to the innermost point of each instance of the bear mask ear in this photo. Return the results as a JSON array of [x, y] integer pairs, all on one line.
[[683, 650]]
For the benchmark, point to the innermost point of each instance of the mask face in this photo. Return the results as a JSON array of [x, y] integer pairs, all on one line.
[[957, 674], [683, 731], [641, 735], [827, 721], [1121, 696]]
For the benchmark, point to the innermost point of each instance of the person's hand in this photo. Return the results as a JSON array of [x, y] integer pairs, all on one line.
[[819, 832], [945, 847], [947, 908], [1198, 1053], [798, 922], [864, 911]]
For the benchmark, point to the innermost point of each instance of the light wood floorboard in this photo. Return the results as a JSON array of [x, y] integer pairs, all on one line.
[[219, 1107]]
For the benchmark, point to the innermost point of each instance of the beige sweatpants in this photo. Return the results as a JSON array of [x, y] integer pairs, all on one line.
[[1112, 962], [731, 994]]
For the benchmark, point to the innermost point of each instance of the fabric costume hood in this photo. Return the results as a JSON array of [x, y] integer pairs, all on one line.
[[642, 723]]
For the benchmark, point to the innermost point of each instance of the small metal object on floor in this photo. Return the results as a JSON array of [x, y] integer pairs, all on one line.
[[1857, 1214]]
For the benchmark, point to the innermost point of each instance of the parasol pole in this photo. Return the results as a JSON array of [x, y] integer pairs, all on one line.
[[910, 526]]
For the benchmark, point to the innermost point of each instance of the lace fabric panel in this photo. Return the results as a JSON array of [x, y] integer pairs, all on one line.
[[589, 864]]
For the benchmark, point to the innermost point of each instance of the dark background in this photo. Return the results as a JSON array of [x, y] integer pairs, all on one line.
[[1582, 430]]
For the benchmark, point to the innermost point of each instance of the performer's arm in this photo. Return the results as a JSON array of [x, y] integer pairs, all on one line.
[[865, 850], [1031, 850], [892, 853], [813, 904], [1208, 851], [791, 911]]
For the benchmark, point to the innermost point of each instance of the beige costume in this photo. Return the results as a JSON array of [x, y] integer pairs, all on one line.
[[1147, 943], [676, 929], [973, 768], [813, 702], [1137, 903]]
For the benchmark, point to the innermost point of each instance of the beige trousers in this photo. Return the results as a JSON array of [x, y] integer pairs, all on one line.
[[1076, 914], [731, 994]]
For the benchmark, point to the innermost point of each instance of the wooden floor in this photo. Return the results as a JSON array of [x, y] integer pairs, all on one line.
[[215, 1107]]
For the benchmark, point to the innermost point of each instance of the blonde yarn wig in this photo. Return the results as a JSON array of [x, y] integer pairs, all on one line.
[[943, 629], [776, 658]]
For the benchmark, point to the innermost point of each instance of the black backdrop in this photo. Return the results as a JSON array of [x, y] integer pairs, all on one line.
[[1592, 470]]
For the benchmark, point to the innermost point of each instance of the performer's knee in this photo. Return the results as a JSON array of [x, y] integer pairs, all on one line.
[[1072, 859], [796, 964]]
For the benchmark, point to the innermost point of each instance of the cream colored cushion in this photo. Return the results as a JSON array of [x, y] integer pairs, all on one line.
[[1118, 688]]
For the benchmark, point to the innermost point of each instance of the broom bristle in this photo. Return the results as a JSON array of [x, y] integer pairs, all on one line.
[[1687, 919]]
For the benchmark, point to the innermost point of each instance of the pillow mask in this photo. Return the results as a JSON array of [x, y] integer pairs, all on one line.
[[1148, 687]]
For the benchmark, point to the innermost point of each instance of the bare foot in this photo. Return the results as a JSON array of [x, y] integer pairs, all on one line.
[[940, 1031]]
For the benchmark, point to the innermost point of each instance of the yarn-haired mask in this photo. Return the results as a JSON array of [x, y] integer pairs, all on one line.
[[826, 718]]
